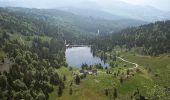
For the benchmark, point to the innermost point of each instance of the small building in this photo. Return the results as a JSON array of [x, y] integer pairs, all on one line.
[[90, 72], [84, 71], [94, 71], [81, 71]]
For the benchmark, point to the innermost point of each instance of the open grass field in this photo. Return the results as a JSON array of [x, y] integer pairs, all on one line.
[[153, 70], [93, 87], [2, 53], [90, 88], [4, 66], [27, 40], [157, 65]]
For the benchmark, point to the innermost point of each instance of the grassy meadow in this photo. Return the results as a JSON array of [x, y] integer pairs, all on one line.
[[93, 87]]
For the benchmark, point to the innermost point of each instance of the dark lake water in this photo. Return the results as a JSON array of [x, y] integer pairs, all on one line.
[[76, 56]]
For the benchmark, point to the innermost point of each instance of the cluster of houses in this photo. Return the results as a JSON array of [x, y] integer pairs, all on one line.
[[88, 72]]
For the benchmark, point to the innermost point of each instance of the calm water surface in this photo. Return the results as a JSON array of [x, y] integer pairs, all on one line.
[[76, 56]]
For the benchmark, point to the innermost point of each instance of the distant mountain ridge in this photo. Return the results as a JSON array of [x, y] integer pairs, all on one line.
[[108, 9], [69, 22], [92, 13], [117, 10]]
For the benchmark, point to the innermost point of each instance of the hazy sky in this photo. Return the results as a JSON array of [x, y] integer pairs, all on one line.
[[160, 4]]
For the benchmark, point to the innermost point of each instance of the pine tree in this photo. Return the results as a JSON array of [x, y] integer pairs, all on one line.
[[115, 93], [106, 92], [70, 91], [77, 79], [60, 91]]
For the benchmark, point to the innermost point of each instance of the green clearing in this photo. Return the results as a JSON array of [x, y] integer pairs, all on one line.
[[138, 81], [90, 88], [93, 87], [27, 40], [158, 65], [2, 53]]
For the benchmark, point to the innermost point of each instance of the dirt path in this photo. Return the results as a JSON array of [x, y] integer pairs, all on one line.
[[136, 65], [97, 81], [5, 66]]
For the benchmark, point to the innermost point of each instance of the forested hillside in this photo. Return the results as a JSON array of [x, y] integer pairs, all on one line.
[[31, 49], [73, 23], [32, 55], [153, 39]]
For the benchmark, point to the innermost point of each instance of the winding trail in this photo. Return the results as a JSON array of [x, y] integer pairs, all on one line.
[[136, 65]]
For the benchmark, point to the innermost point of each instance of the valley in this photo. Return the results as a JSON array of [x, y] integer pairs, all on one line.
[[49, 54]]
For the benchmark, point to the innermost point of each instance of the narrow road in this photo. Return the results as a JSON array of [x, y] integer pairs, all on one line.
[[136, 65]]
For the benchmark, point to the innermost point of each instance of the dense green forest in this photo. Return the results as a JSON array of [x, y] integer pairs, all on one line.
[[37, 21], [151, 39], [30, 73]]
